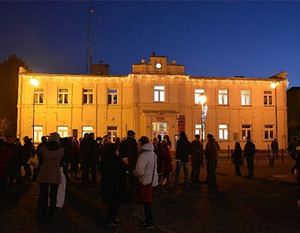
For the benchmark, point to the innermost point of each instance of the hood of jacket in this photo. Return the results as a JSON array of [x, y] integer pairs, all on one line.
[[147, 147], [52, 145]]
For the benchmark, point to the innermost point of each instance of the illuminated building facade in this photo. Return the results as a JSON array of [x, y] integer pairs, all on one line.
[[156, 98]]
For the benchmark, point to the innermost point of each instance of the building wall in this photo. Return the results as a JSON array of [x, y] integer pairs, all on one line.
[[137, 110]]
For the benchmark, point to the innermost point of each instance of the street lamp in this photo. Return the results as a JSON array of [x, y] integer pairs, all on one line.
[[274, 85], [34, 83], [202, 100]]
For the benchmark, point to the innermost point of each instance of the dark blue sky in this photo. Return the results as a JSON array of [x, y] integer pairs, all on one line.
[[252, 39]]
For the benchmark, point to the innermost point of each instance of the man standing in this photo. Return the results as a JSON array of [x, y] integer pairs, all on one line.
[[249, 152], [129, 149], [183, 151], [211, 153], [274, 147], [196, 151]]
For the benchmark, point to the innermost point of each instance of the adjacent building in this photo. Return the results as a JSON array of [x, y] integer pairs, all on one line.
[[293, 105], [158, 97]]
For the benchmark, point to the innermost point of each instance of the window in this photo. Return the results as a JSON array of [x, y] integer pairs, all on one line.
[[38, 133], [267, 97], [245, 97], [112, 131], [112, 97], [198, 130], [198, 93], [223, 97], [38, 96], [159, 94], [223, 132], [63, 96], [269, 132], [88, 96], [87, 129], [63, 131], [246, 131]]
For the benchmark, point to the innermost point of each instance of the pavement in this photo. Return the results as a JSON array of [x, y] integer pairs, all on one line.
[[266, 203]]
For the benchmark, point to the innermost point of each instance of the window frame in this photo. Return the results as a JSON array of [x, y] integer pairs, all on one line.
[[245, 97], [38, 96], [246, 131], [270, 132], [63, 132], [224, 131], [223, 95], [197, 93], [198, 130], [268, 98], [89, 96], [159, 95], [64, 95], [38, 132], [111, 96]]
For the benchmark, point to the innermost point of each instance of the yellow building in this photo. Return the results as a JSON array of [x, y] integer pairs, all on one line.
[[156, 98]]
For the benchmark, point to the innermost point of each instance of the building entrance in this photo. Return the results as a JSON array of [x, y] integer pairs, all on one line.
[[159, 128]]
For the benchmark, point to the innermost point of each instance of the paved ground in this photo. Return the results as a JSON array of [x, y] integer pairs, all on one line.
[[265, 204]]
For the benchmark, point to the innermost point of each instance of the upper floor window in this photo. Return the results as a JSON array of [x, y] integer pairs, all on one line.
[[267, 97], [223, 97], [269, 132], [246, 131], [223, 132], [198, 93], [63, 131], [38, 96], [63, 96], [112, 96], [159, 94], [245, 97], [88, 96]]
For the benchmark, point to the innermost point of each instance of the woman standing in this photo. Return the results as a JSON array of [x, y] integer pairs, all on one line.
[[166, 160], [50, 174], [147, 177], [237, 158], [113, 182]]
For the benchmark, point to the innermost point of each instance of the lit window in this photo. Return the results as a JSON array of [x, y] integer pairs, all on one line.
[[38, 96], [159, 94], [112, 97], [223, 132], [112, 132], [267, 97], [87, 129], [63, 96], [198, 93], [223, 97], [245, 97], [38, 133], [88, 96], [63, 131], [269, 132], [246, 131], [198, 130]]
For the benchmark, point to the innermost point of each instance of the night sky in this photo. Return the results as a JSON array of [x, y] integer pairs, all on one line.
[[251, 39]]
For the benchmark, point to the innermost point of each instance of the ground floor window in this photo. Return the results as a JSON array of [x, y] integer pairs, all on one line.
[[87, 129], [223, 132], [246, 131], [112, 132], [38, 133], [269, 132], [198, 130], [63, 131]]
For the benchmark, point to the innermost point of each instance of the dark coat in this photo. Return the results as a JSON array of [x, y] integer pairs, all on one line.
[[129, 149], [274, 145], [237, 155], [211, 149], [183, 149], [113, 179], [249, 150], [196, 148], [5, 155]]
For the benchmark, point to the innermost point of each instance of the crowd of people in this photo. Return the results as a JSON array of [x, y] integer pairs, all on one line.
[[129, 168]]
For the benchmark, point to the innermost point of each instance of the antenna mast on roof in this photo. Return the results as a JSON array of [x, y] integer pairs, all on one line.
[[88, 52]]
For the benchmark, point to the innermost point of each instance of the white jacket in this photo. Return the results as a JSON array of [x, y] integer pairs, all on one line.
[[146, 163]]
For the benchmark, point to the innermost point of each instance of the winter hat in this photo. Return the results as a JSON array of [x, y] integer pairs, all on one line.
[[210, 135]]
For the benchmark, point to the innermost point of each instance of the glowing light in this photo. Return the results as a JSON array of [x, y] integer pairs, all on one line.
[[273, 85], [34, 82], [202, 99]]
